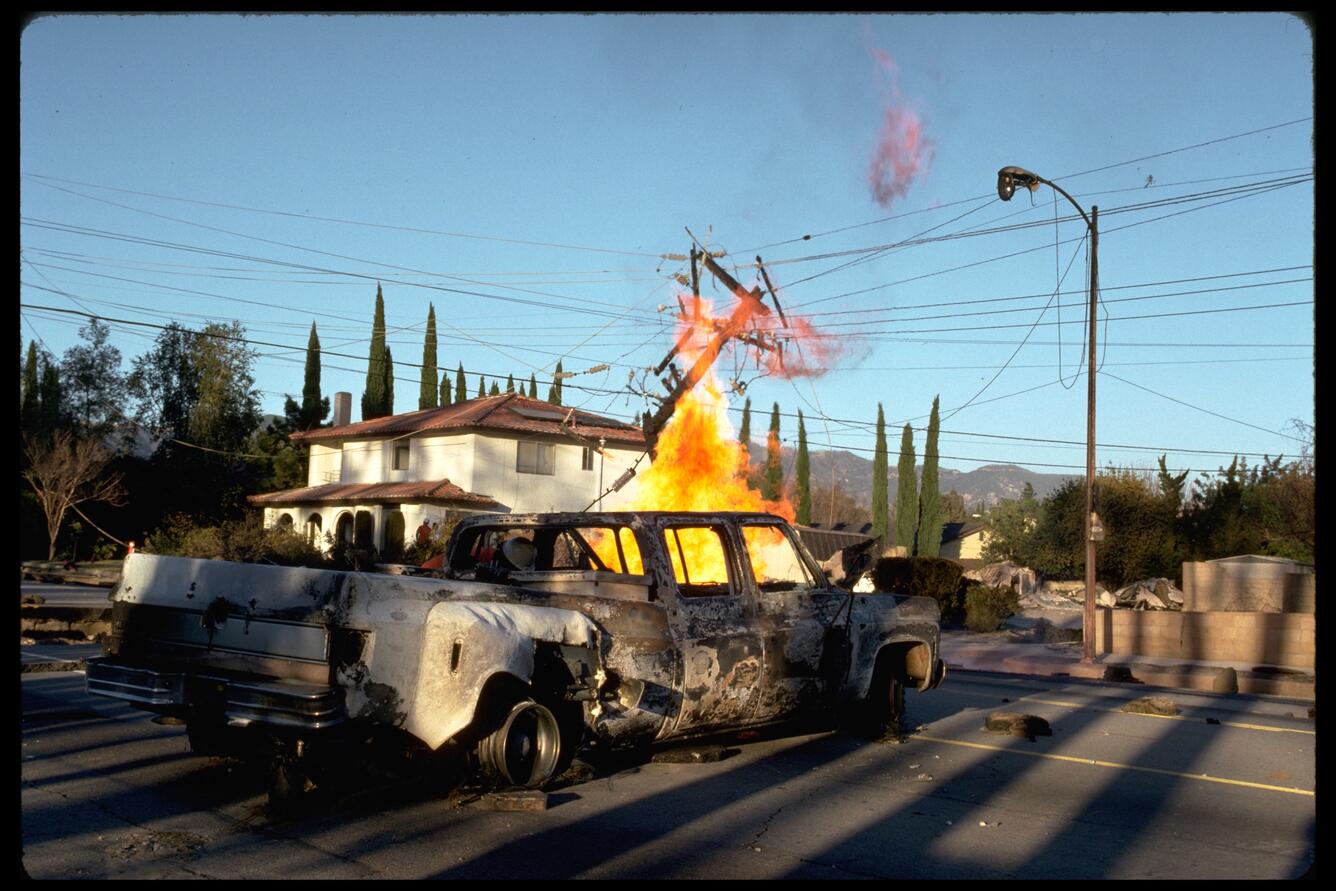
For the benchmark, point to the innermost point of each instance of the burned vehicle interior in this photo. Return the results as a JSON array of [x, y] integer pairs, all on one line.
[[530, 554]]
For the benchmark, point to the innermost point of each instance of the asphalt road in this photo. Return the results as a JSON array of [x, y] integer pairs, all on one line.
[[1225, 789]]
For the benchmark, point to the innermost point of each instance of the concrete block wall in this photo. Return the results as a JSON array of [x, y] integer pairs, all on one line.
[[1261, 587], [1278, 639]]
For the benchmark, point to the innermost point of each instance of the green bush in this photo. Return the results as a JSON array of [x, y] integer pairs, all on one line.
[[986, 608], [244, 541], [933, 577]]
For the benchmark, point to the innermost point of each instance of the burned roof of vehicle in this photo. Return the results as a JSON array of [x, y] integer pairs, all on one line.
[[613, 517]]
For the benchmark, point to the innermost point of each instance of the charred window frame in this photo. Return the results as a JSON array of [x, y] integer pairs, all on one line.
[[678, 540], [811, 578], [536, 457]]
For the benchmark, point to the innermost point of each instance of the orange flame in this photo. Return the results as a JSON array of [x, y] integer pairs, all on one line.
[[700, 466]]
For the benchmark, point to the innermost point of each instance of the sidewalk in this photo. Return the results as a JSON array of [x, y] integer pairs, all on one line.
[[1011, 652]]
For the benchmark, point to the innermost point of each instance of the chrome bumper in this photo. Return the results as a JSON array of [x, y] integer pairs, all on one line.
[[279, 704]]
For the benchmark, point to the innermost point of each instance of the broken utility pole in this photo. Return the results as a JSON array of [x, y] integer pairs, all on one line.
[[735, 327]]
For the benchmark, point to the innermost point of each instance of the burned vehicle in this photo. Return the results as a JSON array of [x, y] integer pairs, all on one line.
[[541, 635]]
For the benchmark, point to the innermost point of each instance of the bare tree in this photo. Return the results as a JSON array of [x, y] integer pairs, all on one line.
[[65, 472]]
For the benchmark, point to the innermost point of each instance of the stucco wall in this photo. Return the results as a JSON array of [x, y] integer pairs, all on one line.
[[1279, 639], [326, 464], [568, 489]]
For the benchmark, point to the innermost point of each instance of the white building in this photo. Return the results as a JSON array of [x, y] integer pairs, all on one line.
[[373, 483]]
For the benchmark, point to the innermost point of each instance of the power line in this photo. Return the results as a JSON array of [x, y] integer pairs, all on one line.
[[1200, 409], [284, 213], [1064, 177]]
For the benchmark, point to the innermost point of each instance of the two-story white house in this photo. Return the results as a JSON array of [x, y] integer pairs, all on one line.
[[371, 484]]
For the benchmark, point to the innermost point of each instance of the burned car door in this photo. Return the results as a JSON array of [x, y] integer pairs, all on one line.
[[798, 616], [714, 622]]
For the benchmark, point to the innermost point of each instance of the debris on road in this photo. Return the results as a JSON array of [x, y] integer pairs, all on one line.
[[705, 755], [1151, 705], [520, 800], [180, 845], [1014, 724]]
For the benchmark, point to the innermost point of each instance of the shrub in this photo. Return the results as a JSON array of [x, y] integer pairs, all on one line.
[[933, 577], [986, 608], [245, 541]]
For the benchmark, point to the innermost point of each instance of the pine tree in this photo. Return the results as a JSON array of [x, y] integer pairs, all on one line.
[[373, 398], [881, 523], [802, 470], [427, 391], [930, 515], [445, 387], [482, 387], [510, 383], [31, 408], [533, 387], [389, 383], [772, 480], [461, 389], [314, 408], [906, 498], [496, 389]]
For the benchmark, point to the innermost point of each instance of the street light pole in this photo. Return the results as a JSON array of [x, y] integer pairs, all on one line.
[[1008, 180]]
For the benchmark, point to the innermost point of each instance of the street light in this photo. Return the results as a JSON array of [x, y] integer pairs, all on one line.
[[1008, 180]]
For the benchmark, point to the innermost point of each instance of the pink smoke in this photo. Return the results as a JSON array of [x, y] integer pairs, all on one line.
[[903, 152]]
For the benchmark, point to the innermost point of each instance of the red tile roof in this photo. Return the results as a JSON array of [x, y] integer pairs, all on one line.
[[329, 493], [502, 412]]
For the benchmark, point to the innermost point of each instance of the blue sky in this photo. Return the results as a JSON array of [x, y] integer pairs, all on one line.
[[525, 174]]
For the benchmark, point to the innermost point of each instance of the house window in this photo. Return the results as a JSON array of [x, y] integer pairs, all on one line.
[[536, 457], [587, 459], [401, 457]]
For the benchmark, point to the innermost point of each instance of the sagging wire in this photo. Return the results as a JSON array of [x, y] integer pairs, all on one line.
[[1023, 342]]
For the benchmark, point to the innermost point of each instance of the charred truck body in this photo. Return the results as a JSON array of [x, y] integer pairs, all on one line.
[[543, 634]]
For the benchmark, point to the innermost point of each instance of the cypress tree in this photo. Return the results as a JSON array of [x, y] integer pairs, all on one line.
[[772, 480], [554, 392], [881, 523], [496, 389], [744, 434], [906, 498], [389, 382], [482, 387], [53, 410], [427, 391], [510, 383], [533, 387], [930, 516], [314, 408], [373, 398], [31, 408], [802, 470], [445, 387], [461, 389]]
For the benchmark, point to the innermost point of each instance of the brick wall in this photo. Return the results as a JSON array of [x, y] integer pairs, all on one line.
[[1279, 639], [1260, 587]]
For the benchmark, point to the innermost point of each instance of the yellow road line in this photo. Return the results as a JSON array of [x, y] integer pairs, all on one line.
[[1097, 763], [1096, 708]]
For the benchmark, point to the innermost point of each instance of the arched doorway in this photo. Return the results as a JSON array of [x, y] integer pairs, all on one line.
[[394, 534], [313, 529], [364, 531], [343, 529], [284, 523]]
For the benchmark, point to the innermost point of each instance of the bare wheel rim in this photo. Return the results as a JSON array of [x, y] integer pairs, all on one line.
[[524, 750]]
